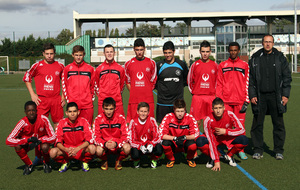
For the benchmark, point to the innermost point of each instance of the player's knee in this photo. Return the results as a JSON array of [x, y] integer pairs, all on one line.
[[91, 149], [18, 148], [167, 143], [201, 141], [126, 148], [53, 153], [135, 154], [242, 140], [158, 150], [99, 150], [190, 145], [45, 147]]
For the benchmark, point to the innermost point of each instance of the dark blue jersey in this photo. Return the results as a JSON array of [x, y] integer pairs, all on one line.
[[171, 79]]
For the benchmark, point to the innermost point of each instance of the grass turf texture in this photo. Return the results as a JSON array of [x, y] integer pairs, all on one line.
[[271, 173]]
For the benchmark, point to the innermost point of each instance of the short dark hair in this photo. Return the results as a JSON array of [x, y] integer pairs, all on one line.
[[71, 104], [143, 104], [217, 101], [29, 103], [205, 43], [234, 44], [263, 38], [78, 48], [48, 46], [109, 101], [139, 42], [108, 46], [179, 103], [169, 45]]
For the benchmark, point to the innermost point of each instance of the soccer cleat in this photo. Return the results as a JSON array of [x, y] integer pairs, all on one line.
[[28, 169], [104, 165], [231, 160], [257, 156], [64, 167], [85, 167], [279, 156], [243, 156], [153, 164], [118, 165], [170, 164], [136, 164], [210, 163], [47, 168], [191, 163]]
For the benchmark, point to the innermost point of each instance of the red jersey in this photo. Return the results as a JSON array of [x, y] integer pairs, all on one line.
[[78, 81], [170, 125], [114, 128], [233, 127], [142, 133], [47, 78], [41, 129], [141, 75], [73, 134], [202, 78], [233, 81], [110, 80]]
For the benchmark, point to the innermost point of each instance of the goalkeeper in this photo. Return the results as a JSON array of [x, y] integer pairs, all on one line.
[[179, 130], [144, 137], [32, 131]]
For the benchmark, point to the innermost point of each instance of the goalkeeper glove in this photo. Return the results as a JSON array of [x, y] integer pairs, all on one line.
[[33, 139], [143, 149], [244, 107], [150, 148]]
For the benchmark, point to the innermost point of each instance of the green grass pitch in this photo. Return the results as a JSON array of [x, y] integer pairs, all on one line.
[[271, 173]]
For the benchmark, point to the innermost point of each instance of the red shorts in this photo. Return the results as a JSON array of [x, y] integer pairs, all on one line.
[[119, 109], [78, 155], [88, 114], [132, 111], [223, 141], [236, 110], [53, 106], [201, 106]]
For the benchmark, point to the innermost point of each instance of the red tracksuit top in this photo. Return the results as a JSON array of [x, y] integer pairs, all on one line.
[[230, 122], [47, 78], [41, 129], [141, 75], [233, 81], [202, 78], [73, 134], [110, 80], [170, 125], [78, 83], [114, 128], [143, 133]]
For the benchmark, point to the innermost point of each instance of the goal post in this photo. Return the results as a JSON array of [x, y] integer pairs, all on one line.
[[4, 64]]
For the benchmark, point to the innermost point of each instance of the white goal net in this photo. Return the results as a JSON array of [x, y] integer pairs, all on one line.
[[4, 65]]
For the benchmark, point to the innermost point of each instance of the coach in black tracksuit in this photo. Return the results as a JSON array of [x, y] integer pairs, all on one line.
[[269, 90], [171, 80]]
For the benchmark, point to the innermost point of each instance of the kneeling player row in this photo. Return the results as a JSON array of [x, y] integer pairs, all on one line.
[[178, 132]]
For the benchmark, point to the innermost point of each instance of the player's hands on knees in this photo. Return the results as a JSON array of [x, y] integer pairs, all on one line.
[[36, 99], [220, 131], [217, 167], [179, 140]]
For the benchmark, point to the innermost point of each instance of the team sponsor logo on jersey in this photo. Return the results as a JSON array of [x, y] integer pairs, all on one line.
[[178, 72], [70, 129], [144, 138], [48, 86], [140, 75], [57, 73], [116, 125], [148, 69], [205, 77], [104, 126], [172, 79], [140, 82], [184, 126], [205, 84]]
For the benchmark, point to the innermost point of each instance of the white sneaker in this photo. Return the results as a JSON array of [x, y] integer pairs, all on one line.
[[231, 160], [210, 163]]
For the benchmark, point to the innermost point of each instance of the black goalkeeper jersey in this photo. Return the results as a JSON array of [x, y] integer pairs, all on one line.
[[171, 79]]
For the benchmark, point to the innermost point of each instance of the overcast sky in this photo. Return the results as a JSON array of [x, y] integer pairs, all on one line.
[[40, 16]]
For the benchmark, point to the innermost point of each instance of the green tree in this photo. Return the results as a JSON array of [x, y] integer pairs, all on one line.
[[144, 29], [99, 33], [94, 33], [88, 32], [111, 34], [103, 33], [64, 37], [117, 32], [182, 27]]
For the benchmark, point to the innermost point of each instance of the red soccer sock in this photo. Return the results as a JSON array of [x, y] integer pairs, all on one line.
[[235, 149], [168, 152], [60, 159], [104, 156], [122, 156], [205, 149], [87, 157], [154, 157], [191, 151], [38, 153], [24, 157]]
